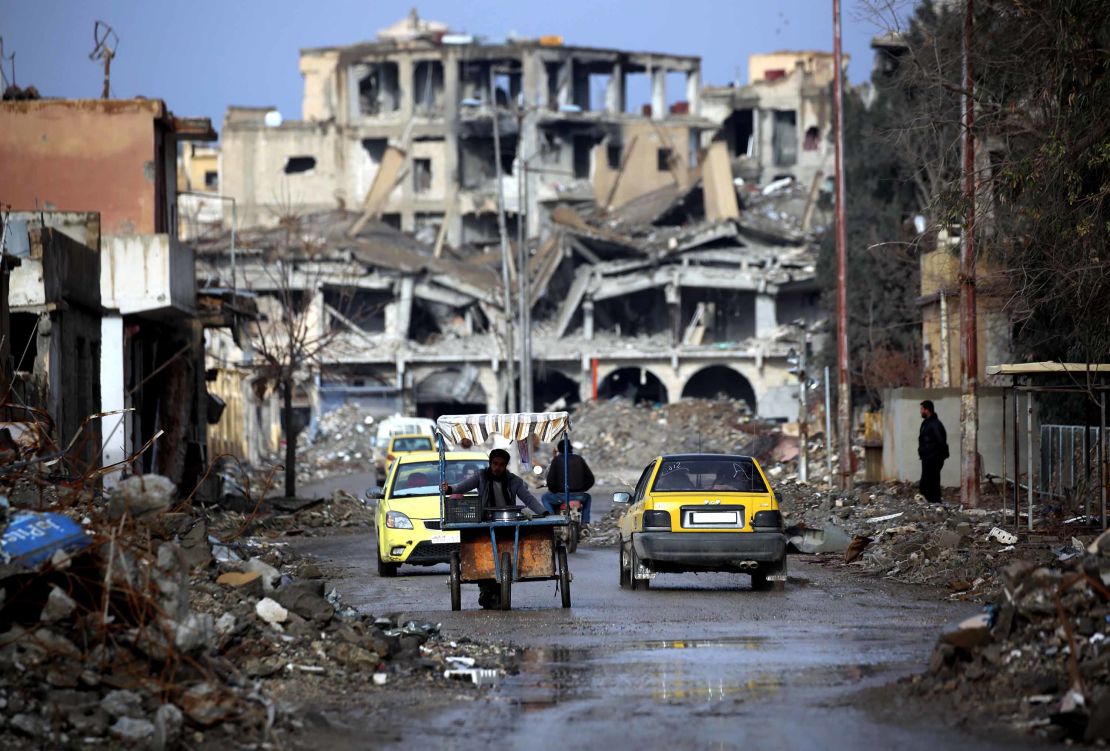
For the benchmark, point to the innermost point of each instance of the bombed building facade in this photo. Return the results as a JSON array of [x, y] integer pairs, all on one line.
[[657, 267]]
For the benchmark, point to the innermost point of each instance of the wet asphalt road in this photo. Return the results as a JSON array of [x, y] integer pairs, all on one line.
[[698, 661]]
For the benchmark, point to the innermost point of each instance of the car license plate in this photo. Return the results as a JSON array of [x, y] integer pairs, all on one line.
[[446, 537], [715, 517]]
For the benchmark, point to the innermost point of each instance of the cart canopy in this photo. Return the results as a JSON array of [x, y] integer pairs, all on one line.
[[548, 426]]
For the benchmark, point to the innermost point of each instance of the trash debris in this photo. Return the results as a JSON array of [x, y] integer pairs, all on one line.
[[33, 538], [1002, 536], [270, 611]]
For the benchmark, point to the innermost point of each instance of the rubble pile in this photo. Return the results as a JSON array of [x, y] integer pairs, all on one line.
[[132, 623], [341, 442], [887, 530], [619, 437], [277, 516], [1039, 658]]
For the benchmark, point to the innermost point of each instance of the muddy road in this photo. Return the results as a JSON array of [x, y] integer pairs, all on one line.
[[698, 661]]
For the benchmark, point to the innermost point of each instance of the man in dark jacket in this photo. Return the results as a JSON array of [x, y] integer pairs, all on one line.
[[581, 480], [932, 449], [498, 488]]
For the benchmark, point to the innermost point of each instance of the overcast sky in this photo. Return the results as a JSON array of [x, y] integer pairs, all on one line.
[[202, 55]]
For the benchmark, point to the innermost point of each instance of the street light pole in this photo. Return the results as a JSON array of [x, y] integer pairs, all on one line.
[[843, 386], [508, 327], [969, 346]]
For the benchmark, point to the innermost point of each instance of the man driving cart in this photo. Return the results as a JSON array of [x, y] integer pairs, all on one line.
[[497, 488]]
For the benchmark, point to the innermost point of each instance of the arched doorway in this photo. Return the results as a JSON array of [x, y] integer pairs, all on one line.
[[552, 388], [450, 391], [637, 384], [720, 382]]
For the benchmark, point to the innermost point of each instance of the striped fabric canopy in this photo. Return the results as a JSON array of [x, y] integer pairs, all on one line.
[[549, 426]]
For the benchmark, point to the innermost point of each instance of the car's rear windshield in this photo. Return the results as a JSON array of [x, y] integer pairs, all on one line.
[[727, 475], [416, 443], [422, 478]]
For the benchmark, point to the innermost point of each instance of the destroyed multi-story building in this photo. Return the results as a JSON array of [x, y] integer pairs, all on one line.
[[779, 124], [117, 158], [648, 273]]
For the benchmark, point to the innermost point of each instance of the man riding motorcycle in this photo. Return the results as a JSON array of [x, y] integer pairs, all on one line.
[[581, 479]]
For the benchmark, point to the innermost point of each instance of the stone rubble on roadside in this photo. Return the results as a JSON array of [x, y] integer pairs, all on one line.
[[152, 636]]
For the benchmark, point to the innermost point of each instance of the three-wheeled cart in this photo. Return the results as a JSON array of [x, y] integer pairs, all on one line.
[[501, 546]]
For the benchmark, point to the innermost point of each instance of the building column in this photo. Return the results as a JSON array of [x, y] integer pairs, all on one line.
[[615, 100], [115, 430], [451, 96], [765, 320], [659, 93], [588, 320], [693, 90]]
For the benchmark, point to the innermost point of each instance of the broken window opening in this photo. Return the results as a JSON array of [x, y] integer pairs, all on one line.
[[642, 313], [739, 132], [421, 175], [813, 139], [393, 220], [296, 165], [715, 316], [426, 227], [583, 147], [554, 390], [784, 138], [506, 88], [663, 159], [379, 89], [637, 87], [675, 86], [476, 160], [427, 87], [24, 340], [613, 154], [481, 228], [211, 180], [363, 308], [559, 85]]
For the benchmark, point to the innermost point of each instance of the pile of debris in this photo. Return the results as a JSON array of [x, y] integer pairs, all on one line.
[[130, 623], [618, 438], [888, 530], [340, 442], [1039, 658], [277, 516]]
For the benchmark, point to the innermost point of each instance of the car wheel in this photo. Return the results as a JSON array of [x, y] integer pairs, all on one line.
[[387, 570], [634, 566], [625, 566]]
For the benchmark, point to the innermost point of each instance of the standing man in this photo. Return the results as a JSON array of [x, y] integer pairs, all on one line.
[[932, 449], [580, 478], [498, 488]]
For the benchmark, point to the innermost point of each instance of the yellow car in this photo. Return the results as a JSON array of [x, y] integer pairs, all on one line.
[[702, 512], [401, 444], [407, 520]]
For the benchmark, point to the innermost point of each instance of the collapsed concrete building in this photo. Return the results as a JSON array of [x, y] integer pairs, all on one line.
[[655, 269], [131, 343], [404, 127]]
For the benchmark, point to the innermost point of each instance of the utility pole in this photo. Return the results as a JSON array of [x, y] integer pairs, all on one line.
[[510, 376], [843, 386], [525, 291], [969, 344], [803, 412]]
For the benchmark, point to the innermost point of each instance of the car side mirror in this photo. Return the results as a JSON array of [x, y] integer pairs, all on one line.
[[374, 493], [622, 498]]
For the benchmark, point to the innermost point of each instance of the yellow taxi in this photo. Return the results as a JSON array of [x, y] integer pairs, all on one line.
[[399, 445], [702, 512], [407, 519]]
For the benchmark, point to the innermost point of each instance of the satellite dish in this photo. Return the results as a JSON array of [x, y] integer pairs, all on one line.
[[272, 119]]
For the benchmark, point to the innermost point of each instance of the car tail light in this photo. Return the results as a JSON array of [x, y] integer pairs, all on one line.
[[767, 520], [657, 519], [389, 457]]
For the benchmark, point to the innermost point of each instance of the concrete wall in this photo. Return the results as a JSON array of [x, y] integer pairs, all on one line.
[[146, 273], [902, 421], [642, 173], [82, 155]]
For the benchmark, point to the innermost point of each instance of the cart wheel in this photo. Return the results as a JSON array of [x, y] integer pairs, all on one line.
[[634, 566], [386, 570], [506, 580], [455, 582], [625, 567], [564, 576], [572, 536]]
